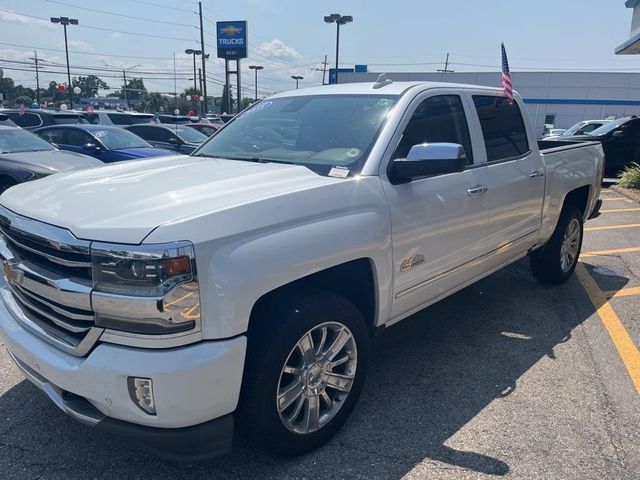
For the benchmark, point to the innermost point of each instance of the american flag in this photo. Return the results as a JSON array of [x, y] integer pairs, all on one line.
[[22, 109], [155, 120], [506, 76], [90, 109]]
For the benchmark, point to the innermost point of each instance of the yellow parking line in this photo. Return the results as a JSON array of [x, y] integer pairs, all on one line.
[[611, 227], [610, 252], [626, 348], [620, 210], [615, 198], [623, 292]]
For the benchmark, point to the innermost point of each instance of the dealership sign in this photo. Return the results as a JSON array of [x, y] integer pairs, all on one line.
[[232, 39]]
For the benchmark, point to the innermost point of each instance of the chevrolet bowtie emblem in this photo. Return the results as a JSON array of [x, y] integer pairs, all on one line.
[[13, 276], [230, 30]]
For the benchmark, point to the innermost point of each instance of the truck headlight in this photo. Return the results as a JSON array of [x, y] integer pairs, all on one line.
[[147, 289]]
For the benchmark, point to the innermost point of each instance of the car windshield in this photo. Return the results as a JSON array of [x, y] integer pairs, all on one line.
[[606, 128], [13, 140], [573, 129], [118, 139], [322, 132], [191, 135]]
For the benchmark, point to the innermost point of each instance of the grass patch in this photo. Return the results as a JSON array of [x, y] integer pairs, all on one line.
[[630, 177]]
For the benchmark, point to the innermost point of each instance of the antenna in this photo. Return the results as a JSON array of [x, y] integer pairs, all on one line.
[[382, 81]]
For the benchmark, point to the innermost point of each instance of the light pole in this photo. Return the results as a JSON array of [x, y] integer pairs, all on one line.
[[256, 68], [297, 78], [338, 20], [64, 21], [191, 51]]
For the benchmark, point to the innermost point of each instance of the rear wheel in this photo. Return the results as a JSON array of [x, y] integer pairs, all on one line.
[[556, 261], [306, 365]]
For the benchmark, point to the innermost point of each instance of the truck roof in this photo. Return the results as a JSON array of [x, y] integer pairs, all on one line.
[[363, 88]]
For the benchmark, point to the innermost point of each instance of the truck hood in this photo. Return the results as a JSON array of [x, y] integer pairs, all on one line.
[[124, 202], [52, 161]]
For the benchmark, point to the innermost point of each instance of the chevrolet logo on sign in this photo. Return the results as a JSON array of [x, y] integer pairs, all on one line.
[[230, 30]]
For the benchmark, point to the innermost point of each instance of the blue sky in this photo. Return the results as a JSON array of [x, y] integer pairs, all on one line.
[[290, 38]]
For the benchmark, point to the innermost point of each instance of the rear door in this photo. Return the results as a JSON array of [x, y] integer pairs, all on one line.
[[439, 223], [515, 173]]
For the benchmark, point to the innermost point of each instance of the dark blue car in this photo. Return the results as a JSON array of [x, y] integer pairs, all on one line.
[[106, 143]]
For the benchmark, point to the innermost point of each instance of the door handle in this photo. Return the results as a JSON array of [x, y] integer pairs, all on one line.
[[536, 174], [477, 190]]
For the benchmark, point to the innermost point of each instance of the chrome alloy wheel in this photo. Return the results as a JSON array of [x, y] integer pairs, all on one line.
[[317, 377], [570, 245]]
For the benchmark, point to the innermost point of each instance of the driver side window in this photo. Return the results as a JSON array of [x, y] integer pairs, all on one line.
[[437, 119]]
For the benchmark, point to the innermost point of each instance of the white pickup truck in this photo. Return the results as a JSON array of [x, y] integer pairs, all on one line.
[[174, 299]]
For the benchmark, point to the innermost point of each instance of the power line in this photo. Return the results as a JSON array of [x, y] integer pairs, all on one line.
[[154, 4], [122, 15], [93, 54]]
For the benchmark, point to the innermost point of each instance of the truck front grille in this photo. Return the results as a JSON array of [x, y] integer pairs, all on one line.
[[48, 274]]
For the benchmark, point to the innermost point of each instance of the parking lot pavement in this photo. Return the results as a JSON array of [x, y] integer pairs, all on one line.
[[509, 377]]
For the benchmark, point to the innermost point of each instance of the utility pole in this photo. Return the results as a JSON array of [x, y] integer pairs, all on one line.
[[201, 102], [124, 88], [446, 66], [35, 59], [204, 58], [324, 69]]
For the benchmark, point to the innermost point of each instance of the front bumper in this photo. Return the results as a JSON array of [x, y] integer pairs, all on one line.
[[192, 385]]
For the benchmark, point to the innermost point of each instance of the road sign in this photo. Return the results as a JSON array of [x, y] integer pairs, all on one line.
[[232, 39]]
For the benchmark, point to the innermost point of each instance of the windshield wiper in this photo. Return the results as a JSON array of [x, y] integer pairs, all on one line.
[[247, 159]]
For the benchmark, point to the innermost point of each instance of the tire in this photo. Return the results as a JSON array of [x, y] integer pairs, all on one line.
[[557, 259], [282, 325]]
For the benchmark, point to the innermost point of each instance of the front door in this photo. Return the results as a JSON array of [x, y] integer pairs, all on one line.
[[439, 223]]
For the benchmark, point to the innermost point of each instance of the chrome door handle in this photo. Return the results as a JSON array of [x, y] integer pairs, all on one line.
[[536, 174], [477, 190]]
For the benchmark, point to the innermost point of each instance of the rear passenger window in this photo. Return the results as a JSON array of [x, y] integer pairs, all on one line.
[[437, 119], [26, 119], [503, 128], [55, 135]]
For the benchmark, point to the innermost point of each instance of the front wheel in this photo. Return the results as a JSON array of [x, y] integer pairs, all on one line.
[[556, 261], [306, 366]]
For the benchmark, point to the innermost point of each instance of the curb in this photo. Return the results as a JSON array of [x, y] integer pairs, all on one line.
[[627, 192]]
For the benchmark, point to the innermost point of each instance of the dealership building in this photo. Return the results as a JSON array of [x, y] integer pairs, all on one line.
[[553, 99]]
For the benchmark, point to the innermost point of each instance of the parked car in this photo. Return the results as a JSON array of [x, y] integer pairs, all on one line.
[[32, 118], [179, 138], [245, 281], [173, 119], [554, 132], [584, 127], [6, 121], [25, 156], [620, 140], [215, 119], [117, 117], [106, 143], [207, 129]]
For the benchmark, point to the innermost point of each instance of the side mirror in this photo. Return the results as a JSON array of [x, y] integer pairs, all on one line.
[[90, 147], [429, 159], [617, 134]]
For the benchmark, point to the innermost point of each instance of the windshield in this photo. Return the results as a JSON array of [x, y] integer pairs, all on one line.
[[190, 135], [572, 130], [318, 131], [117, 139], [13, 140], [606, 128], [69, 119]]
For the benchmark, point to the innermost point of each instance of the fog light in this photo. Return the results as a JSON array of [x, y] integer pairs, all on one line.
[[141, 393]]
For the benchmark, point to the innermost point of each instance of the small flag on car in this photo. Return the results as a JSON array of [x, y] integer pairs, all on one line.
[[155, 120], [90, 109], [507, 84], [22, 109]]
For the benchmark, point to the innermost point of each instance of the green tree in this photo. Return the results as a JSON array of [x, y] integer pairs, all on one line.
[[89, 85], [7, 87], [135, 88]]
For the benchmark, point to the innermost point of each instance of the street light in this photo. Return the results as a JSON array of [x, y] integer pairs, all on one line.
[[338, 20], [64, 21], [296, 78], [256, 68], [191, 51]]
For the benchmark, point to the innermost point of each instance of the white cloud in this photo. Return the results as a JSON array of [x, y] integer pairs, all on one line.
[[115, 35], [24, 19], [78, 45], [278, 49]]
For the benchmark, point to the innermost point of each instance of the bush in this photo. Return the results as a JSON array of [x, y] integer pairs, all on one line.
[[630, 177]]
